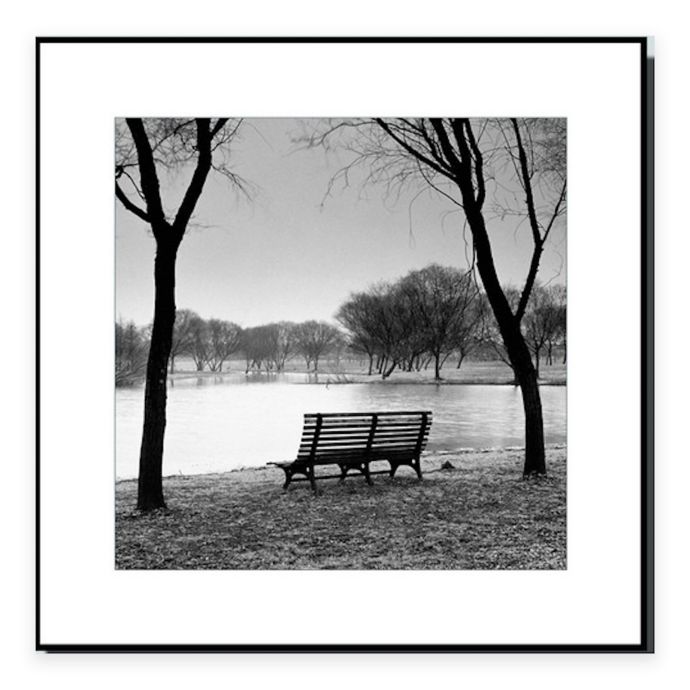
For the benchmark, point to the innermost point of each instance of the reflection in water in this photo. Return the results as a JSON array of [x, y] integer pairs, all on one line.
[[216, 423]]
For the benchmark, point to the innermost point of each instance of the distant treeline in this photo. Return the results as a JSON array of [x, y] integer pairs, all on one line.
[[420, 320]]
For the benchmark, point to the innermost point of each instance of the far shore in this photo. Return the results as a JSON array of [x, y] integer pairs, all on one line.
[[471, 373], [472, 510]]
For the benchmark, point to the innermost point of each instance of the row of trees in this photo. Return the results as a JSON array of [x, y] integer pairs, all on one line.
[[210, 343], [423, 318], [270, 346], [437, 312]]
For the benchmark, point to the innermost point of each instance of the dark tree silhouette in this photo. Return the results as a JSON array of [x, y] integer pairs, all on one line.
[[358, 316], [144, 148], [182, 335], [131, 346], [543, 320], [313, 339], [226, 338], [199, 348], [443, 304], [380, 319]]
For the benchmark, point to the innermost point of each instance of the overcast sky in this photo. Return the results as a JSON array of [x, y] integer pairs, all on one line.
[[285, 256]]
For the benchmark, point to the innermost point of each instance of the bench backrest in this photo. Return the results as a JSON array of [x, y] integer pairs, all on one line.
[[339, 436]]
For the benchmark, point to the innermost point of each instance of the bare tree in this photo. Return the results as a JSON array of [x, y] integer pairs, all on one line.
[[358, 317], [268, 346], [379, 320], [313, 339], [283, 341], [199, 348], [182, 335], [442, 302], [461, 159], [257, 345], [145, 149], [131, 346], [225, 339], [544, 321], [558, 337]]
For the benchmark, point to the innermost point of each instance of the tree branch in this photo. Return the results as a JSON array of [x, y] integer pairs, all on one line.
[[444, 141], [411, 150], [133, 208], [478, 164], [524, 173], [196, 184], [150, 186], [529, 283]]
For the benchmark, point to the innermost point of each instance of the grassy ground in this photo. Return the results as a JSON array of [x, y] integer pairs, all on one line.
[[480, 515]]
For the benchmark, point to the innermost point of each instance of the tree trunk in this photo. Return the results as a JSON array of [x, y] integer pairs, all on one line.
[[437, 366], [150, 487], [518, 352], [371, 364], [387, 372], [535, 460], [172, 364]]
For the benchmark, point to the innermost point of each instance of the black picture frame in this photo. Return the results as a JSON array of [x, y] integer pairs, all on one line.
[[646, 460]]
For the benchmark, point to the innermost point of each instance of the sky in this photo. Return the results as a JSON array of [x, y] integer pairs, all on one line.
[[288, 253]]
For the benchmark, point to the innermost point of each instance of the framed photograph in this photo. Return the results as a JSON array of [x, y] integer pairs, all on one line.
[[359, 334]]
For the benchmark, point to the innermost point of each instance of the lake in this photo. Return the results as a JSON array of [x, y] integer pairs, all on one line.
[[216, 424]]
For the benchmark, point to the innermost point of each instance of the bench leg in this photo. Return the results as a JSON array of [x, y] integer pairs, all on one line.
[[417, 465], [365, 472], [394, 468], [288, 477], [312, 478], [343, 472]]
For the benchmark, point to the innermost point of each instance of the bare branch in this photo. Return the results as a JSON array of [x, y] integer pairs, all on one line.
[[133, 208], [150, 185]]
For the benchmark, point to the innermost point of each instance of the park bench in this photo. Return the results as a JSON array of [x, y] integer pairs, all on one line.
[[353, 440]]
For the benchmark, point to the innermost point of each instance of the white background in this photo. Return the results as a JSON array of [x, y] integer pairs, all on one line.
[[84, 87], [251, 671]]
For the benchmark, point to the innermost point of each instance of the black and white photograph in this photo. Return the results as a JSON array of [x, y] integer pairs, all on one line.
[[341, 343], [366, 358]]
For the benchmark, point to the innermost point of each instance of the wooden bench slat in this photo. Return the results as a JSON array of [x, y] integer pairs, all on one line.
[[345, 428], [389, 413], [345, 422], [359, 443], [365, 425], [332, 452], [364, 433], [359, 430], [409, 443]]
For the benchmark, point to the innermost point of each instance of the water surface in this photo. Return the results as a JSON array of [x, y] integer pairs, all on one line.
[[218, 424]]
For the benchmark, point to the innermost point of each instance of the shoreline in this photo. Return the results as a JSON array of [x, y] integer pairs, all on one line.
[[472, 373], [434, 457], [336, 379]]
